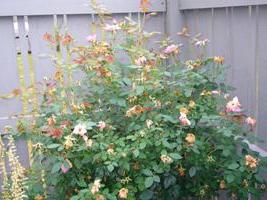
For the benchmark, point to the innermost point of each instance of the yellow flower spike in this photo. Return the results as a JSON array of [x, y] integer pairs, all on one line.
[[17, 172], [218, 59], [5, 185]]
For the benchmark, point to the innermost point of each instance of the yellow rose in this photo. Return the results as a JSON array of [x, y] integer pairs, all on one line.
[[190, 138]]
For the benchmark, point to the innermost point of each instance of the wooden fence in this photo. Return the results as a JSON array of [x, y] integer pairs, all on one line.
[[236, 29]]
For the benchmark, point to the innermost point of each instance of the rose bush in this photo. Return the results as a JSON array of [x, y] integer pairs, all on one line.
[[149, 126]]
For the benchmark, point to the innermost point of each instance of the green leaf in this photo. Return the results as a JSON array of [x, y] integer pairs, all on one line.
[[230, 178], [136, 153], [53, 146], [132, 66], [142, 145], [147, 172], [169, 180], [156, 178], [56, 168], [110, 168], [188, 92], [233, 166], [176, 156], [226, 152], [127, 81], [139, 90], [149, 182], [146, 195], [192, 171]]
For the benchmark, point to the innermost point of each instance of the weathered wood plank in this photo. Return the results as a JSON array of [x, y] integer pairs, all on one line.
[[196, 4], [51, 7]]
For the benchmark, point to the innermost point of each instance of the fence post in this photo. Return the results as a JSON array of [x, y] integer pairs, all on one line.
[[174, 19]]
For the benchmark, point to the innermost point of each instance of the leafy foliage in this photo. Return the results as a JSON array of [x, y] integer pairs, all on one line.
[[148, 126]]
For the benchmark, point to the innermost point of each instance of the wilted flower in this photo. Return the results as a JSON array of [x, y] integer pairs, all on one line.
[[233, 106], [192, 104], [123, 193], [110, 151], [149, 123], [140, 61], [218, 59], [251, 122], [96, 186], [112, 27], [39, 197], [245, 183], [136, 110], [101, 125], [181, 171], [48, 37], [171, 49], [67, 40], [184, 32], [183, 119], [144, 5], [80, 129], [166, 159], [251, 162], [88, 142], [191, 64], [201, 43], [69, 141], [99, 197], [55, 132], [51, 121], [65, 124], [190, 138], [91, 38], [222, 185]]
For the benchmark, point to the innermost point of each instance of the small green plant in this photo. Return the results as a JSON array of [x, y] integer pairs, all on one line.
[[148, 126]]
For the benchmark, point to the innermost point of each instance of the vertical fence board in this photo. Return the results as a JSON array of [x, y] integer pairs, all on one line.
[[9, 74], [262, 73]]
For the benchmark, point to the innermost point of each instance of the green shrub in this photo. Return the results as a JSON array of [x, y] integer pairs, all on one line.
[[149, 126]]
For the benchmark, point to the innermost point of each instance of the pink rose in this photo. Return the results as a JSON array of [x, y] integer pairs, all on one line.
[[64, 169], [251, 122], [233, 106], [183, 119], [101, 125], [171, 49]]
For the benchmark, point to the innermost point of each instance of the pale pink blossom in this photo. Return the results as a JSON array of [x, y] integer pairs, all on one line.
[[140, 61], [80, 129], [96, 186], [183, 119], [149, 123], [101, 125], [233, 105], [91, 38], [251, 121], [64, 169], [215, 92], [172, 49]]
